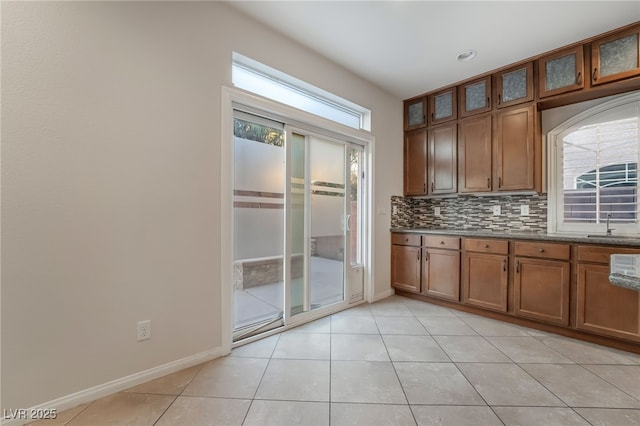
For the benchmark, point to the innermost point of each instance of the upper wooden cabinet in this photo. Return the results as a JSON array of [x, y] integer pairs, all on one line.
[[515, 85], [415, 162], [415, 113], [475, 97], [443, 106], [474, 154], [561, 72], [615, 57], [514, 149], [443, 163]]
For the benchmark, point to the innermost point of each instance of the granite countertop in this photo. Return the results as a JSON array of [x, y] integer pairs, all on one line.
[[625, 271], [567, 238]]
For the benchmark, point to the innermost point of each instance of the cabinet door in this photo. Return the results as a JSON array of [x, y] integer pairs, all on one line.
[[615, 57], [415, 113], [405, 268], [441, 274], [415, 162], [443, 106], [604, 308], [475, 97], [474, 154], [443, 159], [515, 85], [541, 289], [561, 72], [485, 281], [514, 149]]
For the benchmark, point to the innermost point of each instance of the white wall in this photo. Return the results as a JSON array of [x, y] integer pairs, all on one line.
[[111, 182]]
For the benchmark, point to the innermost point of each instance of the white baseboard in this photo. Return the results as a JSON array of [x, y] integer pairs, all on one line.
[[105, 389], [383, 295]]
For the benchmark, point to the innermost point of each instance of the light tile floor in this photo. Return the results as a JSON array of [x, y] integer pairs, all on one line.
[[395, 362]]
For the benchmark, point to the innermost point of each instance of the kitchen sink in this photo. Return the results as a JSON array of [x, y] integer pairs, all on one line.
[[615, 237]]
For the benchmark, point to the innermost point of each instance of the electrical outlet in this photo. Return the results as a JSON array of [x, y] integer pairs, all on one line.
[[496, 210], [144, 330], [524, 210], [436, 211]]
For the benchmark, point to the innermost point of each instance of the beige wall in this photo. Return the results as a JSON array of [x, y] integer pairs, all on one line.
[[111, 182]]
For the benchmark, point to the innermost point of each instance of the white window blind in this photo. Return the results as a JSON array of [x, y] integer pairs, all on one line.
[[600, 178]]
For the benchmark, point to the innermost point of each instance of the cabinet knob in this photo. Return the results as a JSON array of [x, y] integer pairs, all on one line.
[[541, 250], [442, 242], [486, 246]]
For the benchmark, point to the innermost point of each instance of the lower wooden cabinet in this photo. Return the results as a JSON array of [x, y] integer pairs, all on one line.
[[604, 308], [405, 267], [541, 289], [485, 280], [441, 268]]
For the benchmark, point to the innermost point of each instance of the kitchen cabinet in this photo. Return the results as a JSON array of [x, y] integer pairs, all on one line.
[[615, 57], [541, 278], [415, 113], [474, 154], [443, 106], [602, 307], [415, 162], [443, 159], [561, 72], [485, 273], [514, 85], [441, 267], [475, 97], [514, 147], [406, 255]]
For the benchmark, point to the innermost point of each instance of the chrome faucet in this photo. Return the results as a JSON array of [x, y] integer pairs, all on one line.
[[609, 229]]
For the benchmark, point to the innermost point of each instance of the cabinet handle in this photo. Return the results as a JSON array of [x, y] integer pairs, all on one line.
[[499, 182], [504, 265], [541, 250], [489, 183], [431, 186], [424, 188], [488, 101], [426, 257], [579, 78], [433, 117], [499, 99], [406, 240], [441, 242], [418, 255], [486, 246], [595, 74], [517, 267]]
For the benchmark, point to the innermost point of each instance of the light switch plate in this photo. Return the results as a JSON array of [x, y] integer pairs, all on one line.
[[496, 210], [524, 210]]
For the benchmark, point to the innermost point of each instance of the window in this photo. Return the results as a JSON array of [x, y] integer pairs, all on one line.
[[258, 78], [593, 169]]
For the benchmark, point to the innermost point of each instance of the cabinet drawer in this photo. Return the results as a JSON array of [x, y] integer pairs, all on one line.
[[406, 239], [542, 250], [487, 246], [442, 242], [600, 254]]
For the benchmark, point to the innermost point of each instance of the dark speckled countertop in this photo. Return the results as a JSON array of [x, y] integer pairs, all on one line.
[[566, 238]]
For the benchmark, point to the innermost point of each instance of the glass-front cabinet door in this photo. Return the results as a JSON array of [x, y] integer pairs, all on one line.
[[615, 57], [515, 85], [561, 72], [475, 97], [443, 106], [415, 113]]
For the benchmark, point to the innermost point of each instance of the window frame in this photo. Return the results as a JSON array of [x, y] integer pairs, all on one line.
[[555, 214]]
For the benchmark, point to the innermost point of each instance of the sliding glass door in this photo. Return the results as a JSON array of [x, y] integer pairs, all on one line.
[[297, 224]]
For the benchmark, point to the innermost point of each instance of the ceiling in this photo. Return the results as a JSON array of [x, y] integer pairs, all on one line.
[[410, 47]]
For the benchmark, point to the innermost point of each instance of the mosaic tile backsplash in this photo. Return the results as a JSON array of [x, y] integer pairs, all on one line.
[[472, 212]]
